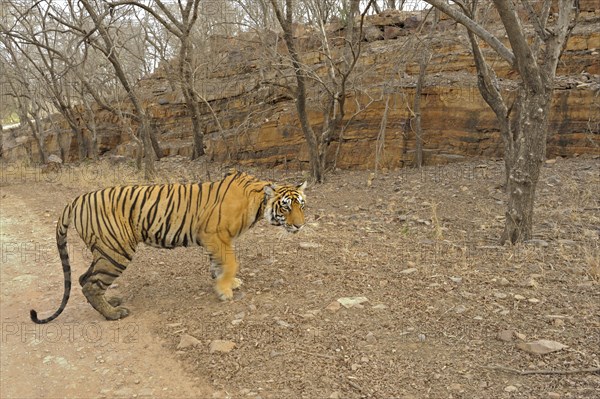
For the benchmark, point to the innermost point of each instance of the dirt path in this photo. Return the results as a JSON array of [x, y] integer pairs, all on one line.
[[78, 355]]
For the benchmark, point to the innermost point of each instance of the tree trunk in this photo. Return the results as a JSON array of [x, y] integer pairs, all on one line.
[[187, 84], [417, 110], [525, 152], [148, 150]]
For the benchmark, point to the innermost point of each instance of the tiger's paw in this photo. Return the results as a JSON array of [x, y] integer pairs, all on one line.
[[117, 313], [224, 292], [237, 283]]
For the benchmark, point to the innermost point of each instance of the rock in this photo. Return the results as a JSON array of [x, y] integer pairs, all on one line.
[[221, 346], [392, 32], [309, 245], [370, 338], [333, 306], [558, 322], [460, 309], [520, 336], [567, 242], [421, 337], [541, 347], [519, 297], [188, 341], [511, 388], [553, 395], [500, 295], [537, 242], [55, 159], [456, 280], [506, 335], [533, 300], [350, 302], [283, 323], [380, 306], [125, 392], [503, 281], [455, 387], [372, 33], [408, 271]]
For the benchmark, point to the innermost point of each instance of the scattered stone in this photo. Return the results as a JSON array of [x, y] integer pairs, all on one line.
[[531, 283], [519, 297], [500, 295], [370, 338], [309, 245], [506, 335], [221, 346], [409, 270], [283, 323], [503, 281], [567, 242], [364, 359], [521, 336], [455, 387], [188, 341], [54, 158], [380, 306], [537, 242], [125, 392], [350, 302], [552, 180], [511, 388], [533, 300], [457, 280], [335, 395], [541, 347], [421, 337], [553, 395], [558, 322], [354, 367], [460, 309], [333, 306]]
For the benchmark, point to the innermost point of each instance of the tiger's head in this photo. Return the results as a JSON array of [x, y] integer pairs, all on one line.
[[285, 206]]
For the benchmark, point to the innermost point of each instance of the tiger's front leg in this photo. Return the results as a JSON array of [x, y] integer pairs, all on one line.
[[216, 270], [224, 268]]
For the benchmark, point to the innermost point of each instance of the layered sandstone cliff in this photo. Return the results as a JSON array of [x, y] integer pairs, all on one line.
[[257, 121]]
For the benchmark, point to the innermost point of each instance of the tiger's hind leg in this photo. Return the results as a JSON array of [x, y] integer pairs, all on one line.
[[95, 282]]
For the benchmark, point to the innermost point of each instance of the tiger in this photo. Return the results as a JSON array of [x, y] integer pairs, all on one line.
[[113, 221]]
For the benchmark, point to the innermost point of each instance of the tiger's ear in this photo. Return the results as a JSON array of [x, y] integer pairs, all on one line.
[[270, 190], [302, 187]]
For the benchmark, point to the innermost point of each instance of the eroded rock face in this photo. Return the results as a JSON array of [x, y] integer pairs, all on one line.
[[258, 123]]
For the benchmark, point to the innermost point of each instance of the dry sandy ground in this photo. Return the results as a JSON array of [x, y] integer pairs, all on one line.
[[445, 313]]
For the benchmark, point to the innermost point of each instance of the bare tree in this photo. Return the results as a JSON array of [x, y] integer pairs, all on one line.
[[24, 93], [36, 43], [181, 26], [104, 42], [524, 122], [335, 85], [423, 62]]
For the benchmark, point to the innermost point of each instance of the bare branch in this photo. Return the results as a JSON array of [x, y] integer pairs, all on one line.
[[475, 28]]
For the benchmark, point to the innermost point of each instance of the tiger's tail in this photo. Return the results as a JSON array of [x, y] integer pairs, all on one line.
[[61, 242]]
